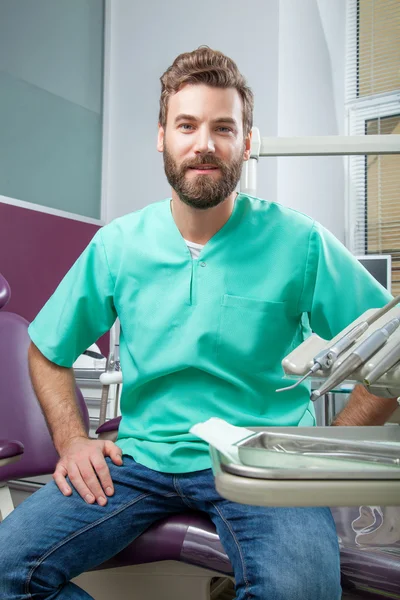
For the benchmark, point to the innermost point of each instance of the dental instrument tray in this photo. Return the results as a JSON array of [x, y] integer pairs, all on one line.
[[283, 455], [319, 481]]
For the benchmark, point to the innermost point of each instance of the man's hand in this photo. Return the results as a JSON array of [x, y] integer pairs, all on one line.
[[83, 461]]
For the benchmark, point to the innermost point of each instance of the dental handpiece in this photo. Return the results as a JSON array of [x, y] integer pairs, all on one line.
[[391, 358], [358, 357], [325, 359]]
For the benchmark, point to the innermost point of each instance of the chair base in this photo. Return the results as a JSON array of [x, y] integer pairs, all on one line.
[[166, 580], [169, 580]]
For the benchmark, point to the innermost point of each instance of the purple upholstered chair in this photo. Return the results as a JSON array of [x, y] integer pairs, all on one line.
[[26, 448], [369, 539]]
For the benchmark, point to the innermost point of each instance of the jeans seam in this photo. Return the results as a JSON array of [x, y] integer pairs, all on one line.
[[180, 493], [75, 534], [238, 547]]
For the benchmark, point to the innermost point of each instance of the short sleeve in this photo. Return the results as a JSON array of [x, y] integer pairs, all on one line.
[[337, 288], [80, 310]]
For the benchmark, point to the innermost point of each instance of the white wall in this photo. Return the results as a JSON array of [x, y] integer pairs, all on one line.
[[144, 42], [311, 102]]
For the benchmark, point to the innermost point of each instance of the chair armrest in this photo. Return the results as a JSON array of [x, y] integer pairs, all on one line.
[[109, 429], [10, 451], [111, 425]]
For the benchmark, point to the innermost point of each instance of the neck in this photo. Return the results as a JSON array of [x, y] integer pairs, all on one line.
[[197, 225]]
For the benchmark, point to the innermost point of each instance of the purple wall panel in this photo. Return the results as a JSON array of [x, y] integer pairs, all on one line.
[[36, 250]]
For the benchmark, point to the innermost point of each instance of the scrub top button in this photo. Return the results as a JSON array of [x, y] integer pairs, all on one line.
[[203, 264]]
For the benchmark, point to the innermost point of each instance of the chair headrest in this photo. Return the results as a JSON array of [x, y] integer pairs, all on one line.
[[5, 291]]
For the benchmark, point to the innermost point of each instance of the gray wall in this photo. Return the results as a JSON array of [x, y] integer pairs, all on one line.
[[55, 45], [51, 62], [145, 39]]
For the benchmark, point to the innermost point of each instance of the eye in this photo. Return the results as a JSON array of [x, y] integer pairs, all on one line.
[[186, 127], [225, 129]]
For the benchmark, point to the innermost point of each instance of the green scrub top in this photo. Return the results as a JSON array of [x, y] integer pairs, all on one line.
[[205, 338]]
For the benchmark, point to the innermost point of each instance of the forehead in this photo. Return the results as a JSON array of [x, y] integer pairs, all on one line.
[[206, 103]]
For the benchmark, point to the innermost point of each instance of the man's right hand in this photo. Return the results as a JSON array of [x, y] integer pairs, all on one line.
[[82, 460]]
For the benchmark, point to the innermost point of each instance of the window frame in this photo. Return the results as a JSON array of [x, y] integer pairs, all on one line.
[[357, 114]]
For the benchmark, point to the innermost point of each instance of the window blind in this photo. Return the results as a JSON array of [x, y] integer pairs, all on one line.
[[373, 108]]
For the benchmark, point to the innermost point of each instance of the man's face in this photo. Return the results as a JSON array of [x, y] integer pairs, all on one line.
[[203, 144]]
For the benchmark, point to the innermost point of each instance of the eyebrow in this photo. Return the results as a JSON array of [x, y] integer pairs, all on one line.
[[186, 117]]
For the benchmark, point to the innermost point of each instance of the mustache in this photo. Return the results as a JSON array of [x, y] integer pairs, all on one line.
[[203, 160]]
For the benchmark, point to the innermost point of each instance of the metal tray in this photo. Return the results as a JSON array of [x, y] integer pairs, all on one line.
[[280, 455]]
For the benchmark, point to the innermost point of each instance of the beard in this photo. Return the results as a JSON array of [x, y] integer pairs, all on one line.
[[203, 191]]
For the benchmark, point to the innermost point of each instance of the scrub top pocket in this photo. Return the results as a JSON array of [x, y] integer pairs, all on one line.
[[254, 335]]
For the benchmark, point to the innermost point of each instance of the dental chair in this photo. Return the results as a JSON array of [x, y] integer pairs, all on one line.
[[180, 556], [26, 448]]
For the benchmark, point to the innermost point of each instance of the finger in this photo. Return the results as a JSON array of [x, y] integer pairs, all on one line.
[[59, 476], [113, 451], [103, 473], [90, 480], [79, 484]]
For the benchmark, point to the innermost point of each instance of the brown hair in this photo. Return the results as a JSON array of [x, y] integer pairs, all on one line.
[[209, 67]]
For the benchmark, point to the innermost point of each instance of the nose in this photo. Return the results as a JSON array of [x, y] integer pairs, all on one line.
[[204, 143]]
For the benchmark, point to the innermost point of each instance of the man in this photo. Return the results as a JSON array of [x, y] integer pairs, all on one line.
[[212, 289]]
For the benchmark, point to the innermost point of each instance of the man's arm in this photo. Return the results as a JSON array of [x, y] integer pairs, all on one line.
[[364, 408], [55, 389], [81, 458]]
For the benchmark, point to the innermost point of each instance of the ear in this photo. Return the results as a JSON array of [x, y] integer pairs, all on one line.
[[160, 138], [247, 146]]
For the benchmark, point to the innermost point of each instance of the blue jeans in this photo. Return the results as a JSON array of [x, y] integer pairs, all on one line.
[[276, 553]]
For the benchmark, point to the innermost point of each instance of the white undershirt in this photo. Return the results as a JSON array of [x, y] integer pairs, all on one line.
[[194, 248]]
